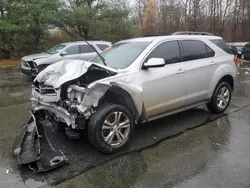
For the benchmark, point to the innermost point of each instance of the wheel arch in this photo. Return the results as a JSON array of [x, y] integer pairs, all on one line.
[[118, 95], [229, 79], [224, 73]]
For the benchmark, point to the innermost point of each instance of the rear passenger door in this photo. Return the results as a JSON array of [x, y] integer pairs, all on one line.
[[86, 52], [199, 66]]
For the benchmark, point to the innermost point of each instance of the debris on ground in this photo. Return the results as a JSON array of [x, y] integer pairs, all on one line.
[[33, 148], [7, 171]]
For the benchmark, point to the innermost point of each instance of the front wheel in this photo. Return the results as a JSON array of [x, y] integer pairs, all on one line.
[[110, 128], [221, 98]]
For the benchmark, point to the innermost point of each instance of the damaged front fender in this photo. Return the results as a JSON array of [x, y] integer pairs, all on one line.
[[97, 90], [136, 94]]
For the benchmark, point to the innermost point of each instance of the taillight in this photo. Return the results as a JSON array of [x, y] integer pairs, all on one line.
[[236, 61]]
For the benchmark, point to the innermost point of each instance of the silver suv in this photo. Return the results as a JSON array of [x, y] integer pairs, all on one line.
[[135, 81], [31, 65]]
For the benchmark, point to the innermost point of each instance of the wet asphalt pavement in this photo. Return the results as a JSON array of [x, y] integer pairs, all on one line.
[[190, 149]]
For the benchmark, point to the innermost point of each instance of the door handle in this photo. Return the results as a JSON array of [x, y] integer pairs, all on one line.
[[212, 63], [180, 71]]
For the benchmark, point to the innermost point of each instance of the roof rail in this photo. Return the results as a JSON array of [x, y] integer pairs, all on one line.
[[192, 33], [149, 35]]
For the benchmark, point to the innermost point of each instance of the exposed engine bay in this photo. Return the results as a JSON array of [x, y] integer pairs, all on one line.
[[74, 101], [73, 97]]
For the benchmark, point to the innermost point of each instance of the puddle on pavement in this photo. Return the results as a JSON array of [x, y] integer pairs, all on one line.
[[15, 88], [12, 179], [14, 95]]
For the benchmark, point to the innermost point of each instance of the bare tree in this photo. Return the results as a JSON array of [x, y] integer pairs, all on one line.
[[227, 18]]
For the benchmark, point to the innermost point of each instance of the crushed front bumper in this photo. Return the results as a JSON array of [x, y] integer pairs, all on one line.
[[33, 148], [57, 110]]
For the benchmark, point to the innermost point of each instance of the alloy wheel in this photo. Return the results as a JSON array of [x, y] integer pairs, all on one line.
[[223, 98], [115, 129]]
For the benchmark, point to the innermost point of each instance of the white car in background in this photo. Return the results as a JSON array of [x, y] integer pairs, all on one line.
[[31, 65]]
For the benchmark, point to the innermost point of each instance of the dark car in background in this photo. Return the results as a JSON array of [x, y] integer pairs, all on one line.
[[246, 52], [237, 48]]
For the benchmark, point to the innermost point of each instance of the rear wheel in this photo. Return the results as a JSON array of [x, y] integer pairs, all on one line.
[[221, 98], [110, 128]]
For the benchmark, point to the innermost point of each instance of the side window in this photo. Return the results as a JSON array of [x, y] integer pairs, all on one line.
[[86, 49], [210, 52], [169, 51], [195, 50], [221, 43], [102, 46], [72, 50]]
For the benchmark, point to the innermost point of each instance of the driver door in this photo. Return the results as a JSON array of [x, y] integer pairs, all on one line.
[[164, 88]]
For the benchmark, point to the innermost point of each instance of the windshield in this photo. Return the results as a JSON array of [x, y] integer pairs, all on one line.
[[55, 49], [121, 55]]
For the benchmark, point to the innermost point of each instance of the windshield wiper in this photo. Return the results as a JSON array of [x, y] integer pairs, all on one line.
[[102, 58]]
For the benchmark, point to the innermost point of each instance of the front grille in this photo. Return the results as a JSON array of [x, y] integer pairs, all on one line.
[[31, 64], [25, 64], [44, 89]]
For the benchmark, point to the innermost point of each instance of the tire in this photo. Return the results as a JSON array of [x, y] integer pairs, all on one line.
[[215, 105], [99, 132]]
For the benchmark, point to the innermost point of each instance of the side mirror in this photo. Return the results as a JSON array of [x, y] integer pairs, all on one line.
[[63, 53], [154, 62]]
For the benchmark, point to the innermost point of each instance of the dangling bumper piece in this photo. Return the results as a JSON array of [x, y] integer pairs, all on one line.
[[33, 148]]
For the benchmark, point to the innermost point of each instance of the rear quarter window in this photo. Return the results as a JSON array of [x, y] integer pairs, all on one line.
[[222, 44]]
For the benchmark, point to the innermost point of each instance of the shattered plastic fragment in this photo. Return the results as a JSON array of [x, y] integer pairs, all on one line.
[[32, 147]]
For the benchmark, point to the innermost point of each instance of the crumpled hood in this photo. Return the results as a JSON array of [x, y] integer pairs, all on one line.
[[35, 56], [63, 71]]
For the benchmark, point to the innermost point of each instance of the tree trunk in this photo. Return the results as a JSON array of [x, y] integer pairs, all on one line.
[[235, 22]]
